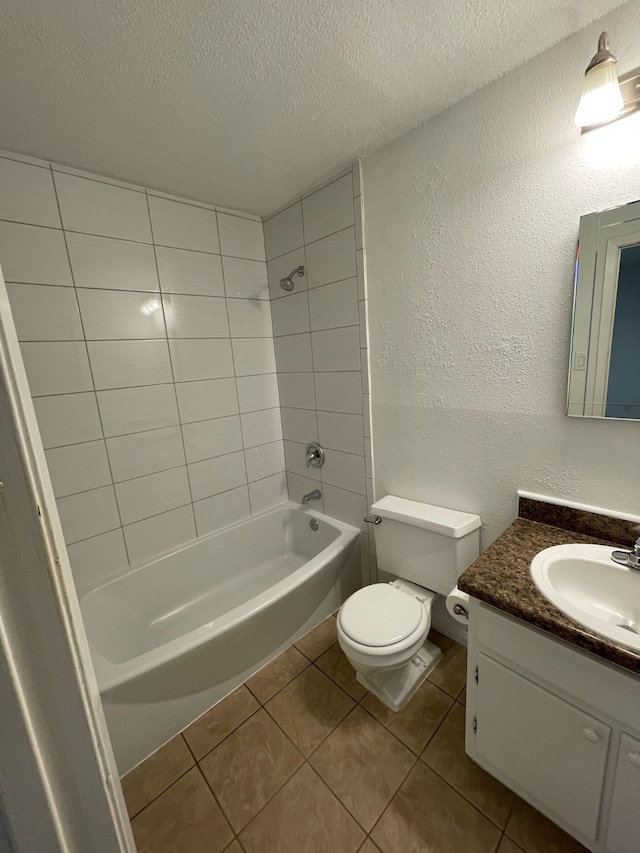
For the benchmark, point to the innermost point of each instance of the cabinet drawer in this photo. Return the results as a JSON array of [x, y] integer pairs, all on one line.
[[545, 745], [623, 835]]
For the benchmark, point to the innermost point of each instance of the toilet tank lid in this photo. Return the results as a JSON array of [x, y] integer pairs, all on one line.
[[449, 522]]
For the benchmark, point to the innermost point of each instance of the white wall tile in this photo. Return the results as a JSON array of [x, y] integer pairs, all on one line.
[[245, 279], [205, 439], [358, 216], [183, 226], [344, 470], [264, 461], [201, 359], [283, 232], [249, 318], [27, 194], [104, 209], [368, 457], [281, 267], [88, 514], [258, 392], [196, 316], [345, 506], [207, 399], [364, 370], [113, 264], [111, 315], [336, 349], [253, 356], [261, 427], [293, 353], [356, 170], [362, 322], [297, 390], [153, 494], [33, 255], [128, 410], [45, 313], [299, 486], [366, 411], [145, 453], [291, 315], [220, 474], [123, 364], [341, 432], [299, 425], [334, 305], [269, 492], [67, 419], [332, 258], [56, 368], [78, 467], [361, 274], [241, 238], [295, 459], [153, 536], [98, 558], [196, 273], [219, 511], [329, 209], [339, 392]]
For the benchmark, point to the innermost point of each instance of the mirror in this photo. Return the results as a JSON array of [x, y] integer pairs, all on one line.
[[604, 363]]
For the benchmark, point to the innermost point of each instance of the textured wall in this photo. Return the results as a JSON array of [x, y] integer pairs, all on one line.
[[472, 221], [321, 347], [145, 329]]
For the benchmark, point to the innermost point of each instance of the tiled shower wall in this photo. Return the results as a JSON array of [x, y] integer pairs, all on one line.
[[146, 334], [321, 348]]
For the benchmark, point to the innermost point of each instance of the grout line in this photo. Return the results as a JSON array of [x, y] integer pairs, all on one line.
[[164, 790], [217, 802]]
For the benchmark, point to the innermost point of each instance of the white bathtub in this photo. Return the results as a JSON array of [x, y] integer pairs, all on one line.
[[171, 637]]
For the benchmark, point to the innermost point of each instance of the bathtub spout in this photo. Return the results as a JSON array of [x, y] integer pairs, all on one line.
[[315, 495]]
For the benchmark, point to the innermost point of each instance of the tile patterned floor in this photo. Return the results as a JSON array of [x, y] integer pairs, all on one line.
[[301, 759]]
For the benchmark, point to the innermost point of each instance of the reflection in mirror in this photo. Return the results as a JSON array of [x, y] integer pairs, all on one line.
[[604, 367]]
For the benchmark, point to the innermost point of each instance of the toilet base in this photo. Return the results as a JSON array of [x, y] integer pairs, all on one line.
[[395, 687]]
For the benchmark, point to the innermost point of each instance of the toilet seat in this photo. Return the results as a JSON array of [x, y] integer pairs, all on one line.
[[380, 616]]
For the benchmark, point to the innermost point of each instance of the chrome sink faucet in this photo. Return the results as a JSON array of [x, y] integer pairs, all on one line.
[[628, 558], [315, 495]]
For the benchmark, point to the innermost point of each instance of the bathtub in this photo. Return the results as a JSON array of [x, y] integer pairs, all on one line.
[[172, 637]]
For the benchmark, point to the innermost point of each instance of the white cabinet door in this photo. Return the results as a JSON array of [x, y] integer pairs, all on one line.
[[550, 749], [623, 835]]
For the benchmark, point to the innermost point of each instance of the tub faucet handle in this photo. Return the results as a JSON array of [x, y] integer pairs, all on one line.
[[315, 455]]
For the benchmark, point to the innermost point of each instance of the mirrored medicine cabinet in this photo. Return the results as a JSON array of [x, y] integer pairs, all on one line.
[[604, 362]]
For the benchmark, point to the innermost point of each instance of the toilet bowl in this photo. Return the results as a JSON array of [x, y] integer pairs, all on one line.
[[383, 628]]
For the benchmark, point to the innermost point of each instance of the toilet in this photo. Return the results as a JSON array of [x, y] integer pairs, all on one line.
[[382, 628]]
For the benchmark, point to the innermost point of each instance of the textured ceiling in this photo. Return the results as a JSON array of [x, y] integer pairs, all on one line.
[[246, 103]]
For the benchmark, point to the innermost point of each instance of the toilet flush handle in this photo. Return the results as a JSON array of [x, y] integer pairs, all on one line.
[[373, 519]]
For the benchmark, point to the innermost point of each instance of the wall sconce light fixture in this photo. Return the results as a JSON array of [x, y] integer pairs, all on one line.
[[605, 98]]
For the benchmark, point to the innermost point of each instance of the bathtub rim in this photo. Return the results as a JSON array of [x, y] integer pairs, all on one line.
[[113, 675]]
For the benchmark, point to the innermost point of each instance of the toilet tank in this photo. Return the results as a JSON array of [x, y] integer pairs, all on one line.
[[426, 544]]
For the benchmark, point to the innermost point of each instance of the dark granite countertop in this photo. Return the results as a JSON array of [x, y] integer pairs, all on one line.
[[500, 577]]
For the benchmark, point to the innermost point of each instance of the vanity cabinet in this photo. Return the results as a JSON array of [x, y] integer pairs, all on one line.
[[557, 726]]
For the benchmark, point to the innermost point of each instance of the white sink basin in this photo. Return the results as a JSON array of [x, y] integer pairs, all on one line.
[[584, 583]]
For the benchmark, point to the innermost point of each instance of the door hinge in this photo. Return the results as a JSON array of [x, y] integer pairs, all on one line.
[[475, 725], [476, 674]]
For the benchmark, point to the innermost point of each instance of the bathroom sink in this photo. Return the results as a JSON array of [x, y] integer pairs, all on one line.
[[585, 584]]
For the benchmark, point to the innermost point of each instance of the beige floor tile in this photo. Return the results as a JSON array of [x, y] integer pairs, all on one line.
[[184, 819], [319, 639], [234, 847], [507, 846], [214, 726], [309, 708], [334, 663], [303, 817], [428, 816], [363, 764], [369, 847], [149, 779], [275, 675], [247, 768], [462, 698], [535, 833], [450, 673], [418, 720], [445, 754]]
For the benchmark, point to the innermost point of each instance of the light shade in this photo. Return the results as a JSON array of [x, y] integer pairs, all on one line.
[[601, 97]]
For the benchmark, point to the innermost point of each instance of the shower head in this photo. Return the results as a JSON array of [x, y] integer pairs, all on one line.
[[286, 283]]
